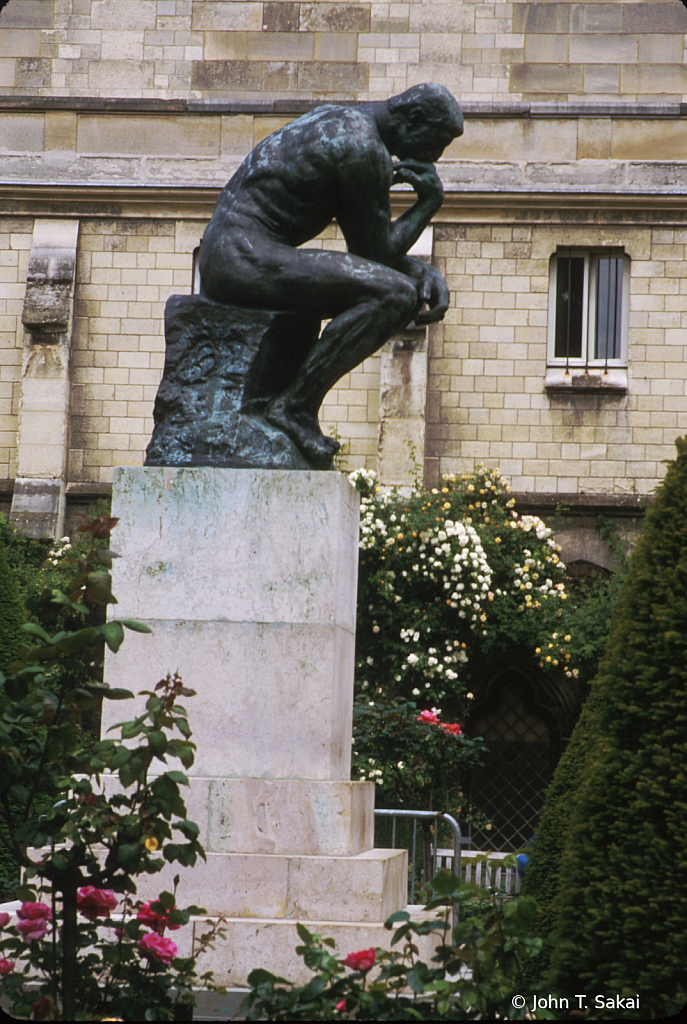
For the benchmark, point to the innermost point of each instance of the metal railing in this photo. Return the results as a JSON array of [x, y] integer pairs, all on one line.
[[435, 857]]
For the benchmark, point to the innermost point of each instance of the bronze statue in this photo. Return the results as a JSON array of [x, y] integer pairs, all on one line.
[[334, 162]]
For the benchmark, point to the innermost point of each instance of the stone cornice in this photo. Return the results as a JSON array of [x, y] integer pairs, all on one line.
[[471, 108], [23, 199]]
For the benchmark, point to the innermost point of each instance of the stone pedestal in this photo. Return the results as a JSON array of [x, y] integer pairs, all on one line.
[[248, 580]]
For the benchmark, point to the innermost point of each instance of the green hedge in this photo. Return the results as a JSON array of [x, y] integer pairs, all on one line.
[[622, 902], [11, 612]]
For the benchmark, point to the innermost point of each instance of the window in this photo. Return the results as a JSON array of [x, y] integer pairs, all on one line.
[[588, 314]]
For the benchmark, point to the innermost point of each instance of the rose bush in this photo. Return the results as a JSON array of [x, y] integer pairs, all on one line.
[[85, 851], [451, 577], [474, 974]]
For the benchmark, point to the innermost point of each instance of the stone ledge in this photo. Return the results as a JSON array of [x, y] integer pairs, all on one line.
[[471, 108], [363, 889], [270, 943]]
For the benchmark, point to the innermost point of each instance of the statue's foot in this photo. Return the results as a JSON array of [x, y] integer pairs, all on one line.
[[304, 430]]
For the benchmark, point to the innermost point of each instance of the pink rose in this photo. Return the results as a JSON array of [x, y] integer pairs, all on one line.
[[94, 903], [158, 947], [33, 920], [4, 919], [361, 961], [34, 912], [429, 717], [154, 920], [6, 966], [341, 1006], [30, 931]]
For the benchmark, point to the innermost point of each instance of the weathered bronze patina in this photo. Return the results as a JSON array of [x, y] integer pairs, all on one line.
[[254, 399]]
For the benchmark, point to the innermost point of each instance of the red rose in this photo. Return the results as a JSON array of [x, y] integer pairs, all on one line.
[[154, 920], [158, 947], [94, 903], [451, 727], [4, 919], [6, 966], [361, 961]]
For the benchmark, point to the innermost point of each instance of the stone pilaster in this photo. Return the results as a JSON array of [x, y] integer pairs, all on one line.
[[38, 503]]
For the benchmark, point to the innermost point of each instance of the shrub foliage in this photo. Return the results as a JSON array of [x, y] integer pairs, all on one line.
[[622, 902]]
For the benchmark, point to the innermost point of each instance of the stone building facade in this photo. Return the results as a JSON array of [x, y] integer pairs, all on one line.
[[563, 235]]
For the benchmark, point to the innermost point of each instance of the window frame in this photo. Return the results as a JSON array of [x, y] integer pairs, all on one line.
[[587, 362]]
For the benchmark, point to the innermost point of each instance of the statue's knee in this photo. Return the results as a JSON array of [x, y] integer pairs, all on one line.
[[404, 298]]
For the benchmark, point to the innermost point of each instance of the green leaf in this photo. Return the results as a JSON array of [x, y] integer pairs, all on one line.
[[167, 900], [303, 934], [74, 642], [117, 693], [157, 742], [16, 688], [113, 634], [99, 588], [36, 630], [25, 892], [137, 627]]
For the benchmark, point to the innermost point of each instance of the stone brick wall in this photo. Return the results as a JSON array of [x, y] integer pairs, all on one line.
[[487, 400], [101, 99], [15, 248], [246, 49]]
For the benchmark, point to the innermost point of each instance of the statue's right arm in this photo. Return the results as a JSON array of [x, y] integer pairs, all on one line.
[[364, 212]]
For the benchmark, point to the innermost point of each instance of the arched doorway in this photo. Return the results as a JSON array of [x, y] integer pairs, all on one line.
[[523, 742]]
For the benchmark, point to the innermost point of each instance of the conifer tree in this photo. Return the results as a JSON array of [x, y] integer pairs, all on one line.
[[621, 907]]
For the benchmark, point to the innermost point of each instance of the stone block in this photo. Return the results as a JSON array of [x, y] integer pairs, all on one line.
[[29, 14], [60, 131], [129, 75], [367, 888], [601, 78], [228, 16], [177, 135], [278, 816], [654, 18], [322, 76], [546, 78], [223, 365], [141, 14], [225, 74], [654, 78], [266, 687], [270, 943], [38, 507], [22, 133], [333, 17], [280, 17], [603, 49], [541, 17], [241, 620], [20, 42]]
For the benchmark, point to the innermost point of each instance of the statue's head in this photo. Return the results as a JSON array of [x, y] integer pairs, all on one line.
[[423, 120]]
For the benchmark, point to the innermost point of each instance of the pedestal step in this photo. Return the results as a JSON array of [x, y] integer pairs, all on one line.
[[272, 944], [363, 889]]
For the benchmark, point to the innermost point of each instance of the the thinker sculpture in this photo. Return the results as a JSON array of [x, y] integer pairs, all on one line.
[[247, 368]]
